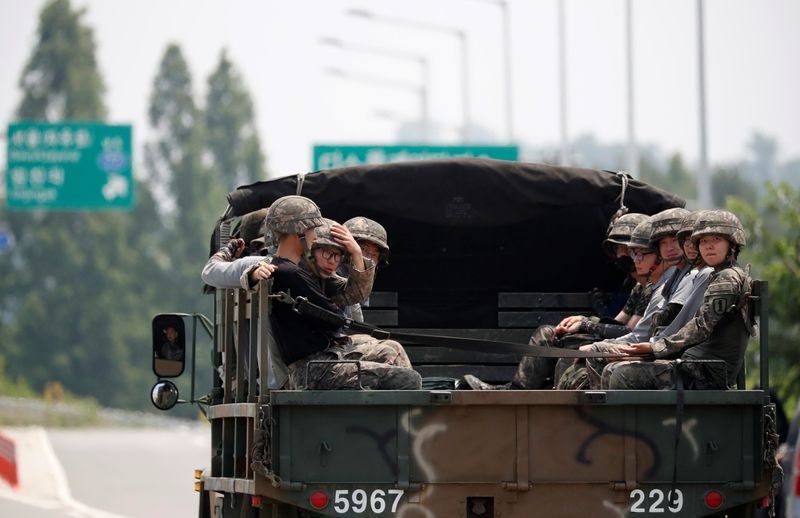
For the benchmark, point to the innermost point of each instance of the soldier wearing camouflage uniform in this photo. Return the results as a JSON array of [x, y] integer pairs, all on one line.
[[712, 345], [225, 268], [535, 372], [374, 243], [652, 257], [300, 339]]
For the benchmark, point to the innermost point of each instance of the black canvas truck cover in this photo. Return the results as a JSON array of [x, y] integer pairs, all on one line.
[[462, 230]]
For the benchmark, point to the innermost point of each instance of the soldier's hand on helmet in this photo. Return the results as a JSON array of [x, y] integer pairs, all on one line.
[[235, 247], [343, 236], [262, 271]]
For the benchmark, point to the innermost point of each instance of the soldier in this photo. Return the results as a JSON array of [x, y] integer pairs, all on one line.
[[226, 269], [371, 237], [170, 349], [534, 372], [373, 240], [712, 345], [655, 253], [616, 247], [664, 239], [252, 230], [328, 252], [379, 364], [692, 284]]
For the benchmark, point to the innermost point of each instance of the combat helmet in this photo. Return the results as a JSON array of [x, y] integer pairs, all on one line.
[[293, 215], [666, 223], [325, 237], [687, 226], [369, 230], [619, 232], [719, 222], [640, 237], [253, 226]]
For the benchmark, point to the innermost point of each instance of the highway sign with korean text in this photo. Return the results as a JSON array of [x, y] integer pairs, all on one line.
[[334, 156], [69, 166]]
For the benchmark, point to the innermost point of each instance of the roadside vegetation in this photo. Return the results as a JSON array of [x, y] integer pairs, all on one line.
[[79, 289]]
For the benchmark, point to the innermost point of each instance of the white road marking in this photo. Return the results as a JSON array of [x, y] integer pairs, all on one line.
[[43, 482]]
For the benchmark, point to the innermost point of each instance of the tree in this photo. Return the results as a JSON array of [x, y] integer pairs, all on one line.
[[61, 79], [175, 158], [77, 306], [773, 249], [764, 152], [728, 181], [232, 135]]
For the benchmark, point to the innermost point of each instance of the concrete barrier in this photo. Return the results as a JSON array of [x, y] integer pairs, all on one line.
[[8, 461]]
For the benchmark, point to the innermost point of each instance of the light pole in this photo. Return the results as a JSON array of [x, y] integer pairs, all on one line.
[[383, 82], [506, 29], [703, 181], [441, 29], [422, 61], [633, 153], [562, 82]]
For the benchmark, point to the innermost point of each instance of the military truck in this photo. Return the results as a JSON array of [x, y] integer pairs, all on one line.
[[482, 252]]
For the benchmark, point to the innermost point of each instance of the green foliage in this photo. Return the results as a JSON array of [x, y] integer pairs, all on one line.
[[79, 290], [675, 179], [175, 158], [61, 79], [74, 299], [14, 387], [773, 231], [232, 135], [728, 181]]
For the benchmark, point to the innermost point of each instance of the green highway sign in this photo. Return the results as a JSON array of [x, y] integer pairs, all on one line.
[[69, 166], [333, 156]]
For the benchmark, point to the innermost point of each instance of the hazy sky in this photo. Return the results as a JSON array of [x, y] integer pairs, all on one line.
[[752, 79]]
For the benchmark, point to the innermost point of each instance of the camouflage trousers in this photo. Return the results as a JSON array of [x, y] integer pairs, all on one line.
[[377, 364], [585, 374], [536, 372], [533, 372], [654, 375]]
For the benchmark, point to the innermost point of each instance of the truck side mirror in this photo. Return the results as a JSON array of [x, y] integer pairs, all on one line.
[[164, 395], [169, 345]]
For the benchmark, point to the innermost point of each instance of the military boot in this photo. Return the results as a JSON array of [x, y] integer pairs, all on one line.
[[470, 382]]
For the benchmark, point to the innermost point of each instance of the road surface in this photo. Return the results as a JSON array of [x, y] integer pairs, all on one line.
[[105, 472]]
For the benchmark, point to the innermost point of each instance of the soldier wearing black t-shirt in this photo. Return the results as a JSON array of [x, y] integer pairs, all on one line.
[[378, 364]]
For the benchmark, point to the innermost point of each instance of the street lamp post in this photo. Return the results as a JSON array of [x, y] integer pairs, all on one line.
[[562, 81], [387, 83], [506, 28], [703, 182], [422, 61], [441, 29], [633, 154]]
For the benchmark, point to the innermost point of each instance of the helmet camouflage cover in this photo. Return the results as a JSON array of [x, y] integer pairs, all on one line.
[[619, 232], [253, 225], [368, 230], [720, 222], [324, 236], [293, 215], [687, 226], [640, 237], [667, 223]]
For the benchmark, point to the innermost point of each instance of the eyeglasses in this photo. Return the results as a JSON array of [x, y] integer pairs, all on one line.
[[330, 253], [639, 255]]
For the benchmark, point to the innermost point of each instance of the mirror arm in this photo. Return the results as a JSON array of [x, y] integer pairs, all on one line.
[[194, 353], [207, 325]]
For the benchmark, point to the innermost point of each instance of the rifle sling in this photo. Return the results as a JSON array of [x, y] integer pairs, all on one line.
[[302, 306]]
